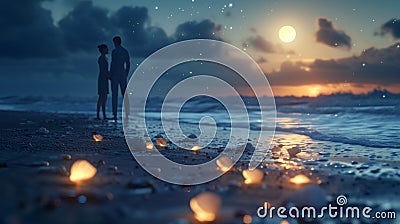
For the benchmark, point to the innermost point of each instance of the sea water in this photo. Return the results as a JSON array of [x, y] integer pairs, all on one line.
[[358, 134]]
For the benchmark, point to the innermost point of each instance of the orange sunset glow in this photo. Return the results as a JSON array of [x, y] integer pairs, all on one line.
[[316, 90]]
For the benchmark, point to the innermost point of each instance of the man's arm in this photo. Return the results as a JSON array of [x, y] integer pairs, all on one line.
[[127, 63], [112, 62]]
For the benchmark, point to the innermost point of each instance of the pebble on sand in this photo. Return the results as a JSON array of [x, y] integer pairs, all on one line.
[[196, 148], [66, 156], [293, 151], [97, 137], [149, 145], [224, 163], [192, 136], [300, 179], [253, 176], [40, 163], [82, 170], [43, 131], [55, 170], [161, 142], [140, 186], [205, 206]]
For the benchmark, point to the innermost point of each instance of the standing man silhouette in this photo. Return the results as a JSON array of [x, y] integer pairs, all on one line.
[[120, 65]]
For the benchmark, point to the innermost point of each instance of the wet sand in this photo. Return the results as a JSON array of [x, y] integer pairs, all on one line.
[[35, 164]]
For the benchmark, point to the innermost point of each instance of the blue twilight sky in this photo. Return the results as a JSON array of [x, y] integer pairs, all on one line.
[[49, 47]]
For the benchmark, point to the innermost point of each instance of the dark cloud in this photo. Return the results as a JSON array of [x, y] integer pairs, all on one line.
[[60, 59], [85, 27], [391, 27], [327, 64], [88, 25], [28, 31], [133, 24], [327, 34], [259, 43], [373, 66], [205, 29]]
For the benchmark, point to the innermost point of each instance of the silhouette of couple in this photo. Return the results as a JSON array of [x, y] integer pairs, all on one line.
[[118, 74]]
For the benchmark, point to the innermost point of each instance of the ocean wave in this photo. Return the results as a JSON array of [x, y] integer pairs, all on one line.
[[377, 102], [316, 135]]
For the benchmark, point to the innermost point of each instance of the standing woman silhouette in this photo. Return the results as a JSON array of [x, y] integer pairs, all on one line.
[[102, 85]]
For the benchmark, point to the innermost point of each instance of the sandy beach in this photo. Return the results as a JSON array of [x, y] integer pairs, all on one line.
[[35, 165]]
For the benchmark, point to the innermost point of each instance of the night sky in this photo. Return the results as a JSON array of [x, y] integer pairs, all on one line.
[[49, 47]]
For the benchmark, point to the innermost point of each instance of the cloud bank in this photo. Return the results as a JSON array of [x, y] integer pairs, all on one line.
[[29, 30], [373, 66]]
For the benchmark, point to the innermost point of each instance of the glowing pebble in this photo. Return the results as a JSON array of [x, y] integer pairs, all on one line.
[[205, 206], [149, 145], [247, 219], [252, 176], [195, 148], [300, 179], [82, 170], [224, 163], [97, 137], [161, 142]]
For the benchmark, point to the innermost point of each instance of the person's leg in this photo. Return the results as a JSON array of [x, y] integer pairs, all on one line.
[[126, 100], [114, 93], [103, 105], [98, 107]]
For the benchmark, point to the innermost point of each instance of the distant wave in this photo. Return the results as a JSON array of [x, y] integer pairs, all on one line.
[[335, 138], [376, 102]]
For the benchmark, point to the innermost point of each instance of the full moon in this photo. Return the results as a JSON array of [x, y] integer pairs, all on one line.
[[287, 34]]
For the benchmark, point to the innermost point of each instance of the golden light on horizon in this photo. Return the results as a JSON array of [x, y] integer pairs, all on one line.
[[82, 170], [314, 91], [287, 34], [205, 206]]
